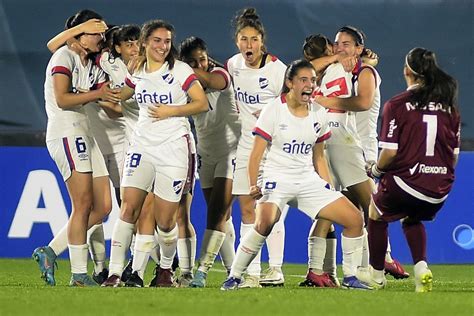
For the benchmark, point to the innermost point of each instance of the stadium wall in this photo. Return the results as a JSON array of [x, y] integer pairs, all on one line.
[[35, 205]]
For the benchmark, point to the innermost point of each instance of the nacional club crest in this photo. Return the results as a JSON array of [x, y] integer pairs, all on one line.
[[263, 82], [168, 78]]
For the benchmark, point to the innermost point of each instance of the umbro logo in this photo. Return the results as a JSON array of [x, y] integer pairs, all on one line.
[[283, 127]]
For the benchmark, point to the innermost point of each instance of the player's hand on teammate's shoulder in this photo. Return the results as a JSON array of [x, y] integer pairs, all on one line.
[[255, 192]]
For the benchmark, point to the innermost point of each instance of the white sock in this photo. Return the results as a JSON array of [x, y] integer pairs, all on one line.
[[316, 252], [248, 249], [78, 258], [388, 256], [276, 241], [167, 242], [329, 265], [186, 253], [96, 242], [351, 254], [365, 250], [211, 243], [132, 244], [420, 267], [59, 242], [143, 246], [378, 275], [121, 237], [254, 266], [227, 251], [155, 252]]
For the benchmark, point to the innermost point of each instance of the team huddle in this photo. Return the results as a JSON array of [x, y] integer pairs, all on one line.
[[119, 102]]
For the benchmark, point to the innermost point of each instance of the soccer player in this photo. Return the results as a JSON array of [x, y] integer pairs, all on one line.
[[292, 130], [161, 151], [258, 79], [420, 141], [74, 149], [350, 42], [217, 132]]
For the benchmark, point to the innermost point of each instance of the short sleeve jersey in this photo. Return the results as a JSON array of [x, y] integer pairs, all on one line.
[[336, 82], [164, 86], [426, 141], [367, 120], [290, 139], [72, 121], [117, 71], [218, 129], [253, 89]]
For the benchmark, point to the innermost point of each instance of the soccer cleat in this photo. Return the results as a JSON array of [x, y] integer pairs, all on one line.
[[46, 261], [395, 269], [424, 281], [199, 280], [334, 279], [250, 281], [231, 284], [134, 280], [317, 280], [127, 272], [100, 277], [112, 281], [272, 277], [366, 276], [155, 275], [82, 280], [164, 278], [185, 279], [352, 283]]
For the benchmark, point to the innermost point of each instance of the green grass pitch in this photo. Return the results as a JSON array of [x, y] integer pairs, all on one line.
[[22, 292]]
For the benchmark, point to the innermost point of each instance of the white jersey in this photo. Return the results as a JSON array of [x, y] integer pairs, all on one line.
[[338, 83], [218, 129], [291, 139], [367, 120], [253, 89], [72, 121], [163, 86], [117, 71]]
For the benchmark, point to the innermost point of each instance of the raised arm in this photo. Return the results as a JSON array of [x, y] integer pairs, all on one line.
[[213, 80]]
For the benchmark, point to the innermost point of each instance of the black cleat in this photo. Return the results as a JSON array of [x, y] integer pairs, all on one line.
[[127, 272], [134, 280]]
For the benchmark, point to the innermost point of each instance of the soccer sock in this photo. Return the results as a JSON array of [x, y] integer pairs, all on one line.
[[96, 242], [132, 244], [420, 267], [276, 241], [227, 251], [248, 249], [365, 250], [211, 243], [351, 254], [78, 258], [329, 263], [378, 233], [186, 253], [155, 252], [388, 255], [59, 243], [378, 275], [254, 266], [167, 242], [121, 237], [143, 246], [316, 252], [415, 235]]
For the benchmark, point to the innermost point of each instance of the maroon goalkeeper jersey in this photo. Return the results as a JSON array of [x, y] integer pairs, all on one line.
[[426, 141]]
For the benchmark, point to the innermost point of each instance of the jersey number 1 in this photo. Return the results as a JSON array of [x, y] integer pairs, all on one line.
[[431, 131]]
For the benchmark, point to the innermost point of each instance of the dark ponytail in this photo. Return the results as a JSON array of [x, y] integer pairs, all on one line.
[[435, 85], [248, 17]]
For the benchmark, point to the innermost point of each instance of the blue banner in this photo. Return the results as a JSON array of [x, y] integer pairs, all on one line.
[[35, 206]]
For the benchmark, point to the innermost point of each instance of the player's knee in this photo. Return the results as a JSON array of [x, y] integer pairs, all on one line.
[[264, 226], [409, 221], [129, 212], [83, 203]]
